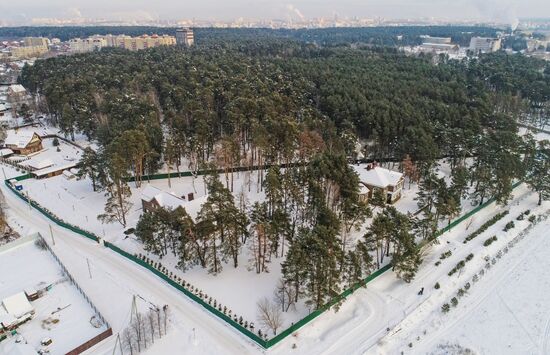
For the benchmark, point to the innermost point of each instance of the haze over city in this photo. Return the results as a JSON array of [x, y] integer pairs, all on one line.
[[29, 12]]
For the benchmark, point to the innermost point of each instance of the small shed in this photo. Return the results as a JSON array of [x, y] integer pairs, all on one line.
[[18, 305], [4, 153]]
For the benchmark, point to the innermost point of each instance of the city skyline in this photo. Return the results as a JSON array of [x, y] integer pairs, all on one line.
[[32, 12]]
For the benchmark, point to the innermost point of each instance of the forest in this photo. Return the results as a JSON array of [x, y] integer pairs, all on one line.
[[276, 101], [379, 36]]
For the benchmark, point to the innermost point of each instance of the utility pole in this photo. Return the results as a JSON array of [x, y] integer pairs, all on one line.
[[29, 200], [89, 269], [51, 234]]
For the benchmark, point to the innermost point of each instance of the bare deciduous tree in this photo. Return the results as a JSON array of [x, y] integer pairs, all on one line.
[[270, 314]]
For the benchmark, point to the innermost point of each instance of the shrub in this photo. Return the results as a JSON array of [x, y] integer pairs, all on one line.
[[445, 308], [454, 301], [485, 226], [460, 292], [437, 286], [437, 263], [55, 142], [509, 226], [532, 218], [460, 264], [445, 255], [467, 286], [490, 241]]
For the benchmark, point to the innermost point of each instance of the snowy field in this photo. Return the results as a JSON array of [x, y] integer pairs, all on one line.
[[27, 266], [510, 314]]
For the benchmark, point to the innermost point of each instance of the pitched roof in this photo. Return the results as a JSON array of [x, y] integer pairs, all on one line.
[[164, 199], [171, 201], [18, 88], [17, 305], [20, 139], [379, 177]]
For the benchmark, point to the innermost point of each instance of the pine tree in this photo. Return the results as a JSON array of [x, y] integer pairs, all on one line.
[[538, 176]]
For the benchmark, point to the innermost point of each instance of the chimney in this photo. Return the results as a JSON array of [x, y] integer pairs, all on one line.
[[190, 196]]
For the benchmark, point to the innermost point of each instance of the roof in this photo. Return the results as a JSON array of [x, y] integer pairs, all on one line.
[[52, 169], [379, 177], [168, 200], [363, 189], [17, 305], [5, 152], [37, 163], [20, 139], [6, 319], [17, 88], [164, 199]]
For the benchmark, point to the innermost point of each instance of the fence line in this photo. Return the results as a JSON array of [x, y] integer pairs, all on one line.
[[73, 281], [249, 334]]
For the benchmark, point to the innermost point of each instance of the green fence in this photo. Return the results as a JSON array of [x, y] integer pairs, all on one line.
[[246, 332], [204, 172]]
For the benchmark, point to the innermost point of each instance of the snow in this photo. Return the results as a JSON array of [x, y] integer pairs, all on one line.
[[164, 199], [116, 280], [509, 313], [31, 267], [356, 328], [17, 88], [5, 152], [37, 164], [378, 176], [17, 305], [19, 138]]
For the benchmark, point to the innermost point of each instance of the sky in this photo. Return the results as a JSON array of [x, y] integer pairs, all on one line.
[[24, 11]]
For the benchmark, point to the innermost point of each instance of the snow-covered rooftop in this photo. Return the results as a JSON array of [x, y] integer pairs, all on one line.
[[378, 176], [17, 305], [164, 199], [38, 163], [168, 200], [54, 168], [17, 88], [5, 152], [19, 139]]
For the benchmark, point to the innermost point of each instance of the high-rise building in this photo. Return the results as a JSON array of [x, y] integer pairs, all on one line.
[[484, 44], [185, 37], [121, 41], [36, 41]]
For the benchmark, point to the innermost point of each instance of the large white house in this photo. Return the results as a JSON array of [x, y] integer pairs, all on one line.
[[377, 178]]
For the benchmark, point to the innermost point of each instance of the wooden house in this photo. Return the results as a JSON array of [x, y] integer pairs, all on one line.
[[23, 143]]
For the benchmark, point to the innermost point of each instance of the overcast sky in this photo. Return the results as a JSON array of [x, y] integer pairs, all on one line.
[[500, 10]]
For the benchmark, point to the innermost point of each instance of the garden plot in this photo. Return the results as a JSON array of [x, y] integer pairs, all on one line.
[[61, 314]]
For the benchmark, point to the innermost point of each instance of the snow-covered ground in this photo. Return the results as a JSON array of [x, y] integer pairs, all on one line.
[[74, 201], [356, 328], [26, 266], [509, 313]]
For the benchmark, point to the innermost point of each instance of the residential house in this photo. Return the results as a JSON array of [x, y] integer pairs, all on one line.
[[23, 142], [378, 178], [17, 94], [153, 198]]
